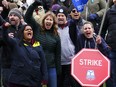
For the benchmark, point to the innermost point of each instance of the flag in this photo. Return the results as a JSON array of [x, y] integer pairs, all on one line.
[[84, 1], [79, 4]]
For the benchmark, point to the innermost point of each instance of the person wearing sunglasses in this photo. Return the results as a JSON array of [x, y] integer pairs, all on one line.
[[75, 24]]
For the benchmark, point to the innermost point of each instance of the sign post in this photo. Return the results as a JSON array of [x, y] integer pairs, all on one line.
[[90, 68]]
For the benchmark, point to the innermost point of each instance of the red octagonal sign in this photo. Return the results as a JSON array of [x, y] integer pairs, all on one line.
[[90, 67]]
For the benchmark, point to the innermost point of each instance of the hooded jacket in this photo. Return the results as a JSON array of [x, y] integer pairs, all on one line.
[[28, 64]]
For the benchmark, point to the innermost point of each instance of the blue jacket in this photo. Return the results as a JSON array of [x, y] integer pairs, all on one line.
[[28, 64], [84, 42], [74, 30]]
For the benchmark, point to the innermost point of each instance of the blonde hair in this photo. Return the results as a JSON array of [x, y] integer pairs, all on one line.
[[55, 24], [87, 22]]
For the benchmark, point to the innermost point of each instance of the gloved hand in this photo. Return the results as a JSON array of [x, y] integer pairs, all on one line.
[[93, 16], [37, 3]]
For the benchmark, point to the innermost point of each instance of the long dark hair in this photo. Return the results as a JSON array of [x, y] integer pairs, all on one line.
[[21, 34]]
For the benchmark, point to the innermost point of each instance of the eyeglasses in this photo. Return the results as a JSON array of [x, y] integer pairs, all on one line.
[[74, 11]]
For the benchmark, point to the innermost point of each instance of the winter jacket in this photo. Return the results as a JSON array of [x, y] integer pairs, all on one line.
[[6, 55], [91, 43], [74, 30], [67, 46], [109, 27], [50, 42], [1, 20], [28, 64], [1, 23]]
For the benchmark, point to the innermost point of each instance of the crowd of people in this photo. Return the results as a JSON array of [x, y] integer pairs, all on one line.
[[38, 40]]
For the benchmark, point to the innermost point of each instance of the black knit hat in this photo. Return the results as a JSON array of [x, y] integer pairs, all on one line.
[[15, 11], [63, 10], [71, 8]]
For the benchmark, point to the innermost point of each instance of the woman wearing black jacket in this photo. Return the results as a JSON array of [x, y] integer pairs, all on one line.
[[48, 36], [28, 66]]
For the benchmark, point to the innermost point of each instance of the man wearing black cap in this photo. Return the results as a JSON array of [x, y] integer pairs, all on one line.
[[67, 48]]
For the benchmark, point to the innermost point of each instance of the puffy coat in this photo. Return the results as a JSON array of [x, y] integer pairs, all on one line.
[[109, 27]]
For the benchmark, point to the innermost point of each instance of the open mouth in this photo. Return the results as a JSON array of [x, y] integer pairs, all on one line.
[[29, 34], [76, 15], [88, 34], [12, 20], [48, 24], [60, 19]]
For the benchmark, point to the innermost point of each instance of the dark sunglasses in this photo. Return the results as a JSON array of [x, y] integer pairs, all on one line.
[[74, 11]]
